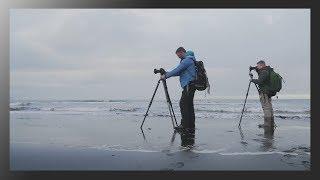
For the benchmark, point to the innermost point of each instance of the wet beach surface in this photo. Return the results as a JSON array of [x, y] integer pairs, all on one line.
[[95, 141]]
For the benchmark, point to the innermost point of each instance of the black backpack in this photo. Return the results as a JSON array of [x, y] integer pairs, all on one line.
[[201, 80]]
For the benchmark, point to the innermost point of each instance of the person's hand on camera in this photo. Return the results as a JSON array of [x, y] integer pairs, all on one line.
[[163, 76], [162, 71]]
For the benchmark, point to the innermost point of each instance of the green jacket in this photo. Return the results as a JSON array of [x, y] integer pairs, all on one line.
[[264, 79]]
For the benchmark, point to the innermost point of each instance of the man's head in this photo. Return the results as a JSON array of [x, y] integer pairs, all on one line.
[[261, 64], [180, 52]]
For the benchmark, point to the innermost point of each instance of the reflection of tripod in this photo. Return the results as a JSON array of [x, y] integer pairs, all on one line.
[[172, 115]]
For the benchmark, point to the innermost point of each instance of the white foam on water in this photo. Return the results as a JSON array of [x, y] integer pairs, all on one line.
[[120, 148], [257, 153], [142, 150], [207, 109], [207, 151], [134, 150]]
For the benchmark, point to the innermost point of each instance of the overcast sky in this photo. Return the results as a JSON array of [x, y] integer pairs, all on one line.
[[111, 53]]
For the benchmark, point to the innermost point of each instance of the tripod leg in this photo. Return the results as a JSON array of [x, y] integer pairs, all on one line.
[[150, 104], [169, 103], [173, 137], [257, 88], [244, 104], [171, 115], [144, 137], [175, 120], [241, 133]]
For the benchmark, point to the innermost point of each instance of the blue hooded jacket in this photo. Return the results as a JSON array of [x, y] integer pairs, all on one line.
[[186, 69]]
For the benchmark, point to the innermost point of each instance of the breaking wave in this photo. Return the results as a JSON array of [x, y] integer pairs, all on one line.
[[84, 101], [21, 104], [218, 111], [257, 153], [138, 108], [251, 111], [23, 108], [291, 117], [117, 101], [124, 109], [292, 112]]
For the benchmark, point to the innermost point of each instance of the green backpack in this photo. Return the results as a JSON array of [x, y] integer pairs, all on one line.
[[275, 83]]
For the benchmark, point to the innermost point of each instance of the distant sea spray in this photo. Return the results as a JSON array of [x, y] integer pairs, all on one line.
[[283, 109]]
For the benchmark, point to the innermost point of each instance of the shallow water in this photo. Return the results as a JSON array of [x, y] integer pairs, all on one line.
[[115, 127]]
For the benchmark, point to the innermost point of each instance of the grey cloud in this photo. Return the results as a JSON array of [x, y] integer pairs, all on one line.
[[92, 49]]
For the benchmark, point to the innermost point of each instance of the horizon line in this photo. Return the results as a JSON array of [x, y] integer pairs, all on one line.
[[144, 99]]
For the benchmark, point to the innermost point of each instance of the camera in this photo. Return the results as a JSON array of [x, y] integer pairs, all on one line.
[[161, 71], [252, 68]]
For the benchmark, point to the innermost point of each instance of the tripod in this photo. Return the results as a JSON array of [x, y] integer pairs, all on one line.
[[245, 101], [172, 115]]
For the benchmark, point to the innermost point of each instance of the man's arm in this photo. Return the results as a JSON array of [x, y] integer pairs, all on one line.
[[262, 77], [181, 67]]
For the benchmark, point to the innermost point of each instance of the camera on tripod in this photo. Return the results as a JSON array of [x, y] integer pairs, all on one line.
[[171, 112], [252, 68], [161, 71]]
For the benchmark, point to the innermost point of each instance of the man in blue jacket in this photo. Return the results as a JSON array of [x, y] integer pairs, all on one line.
[[187, 72]]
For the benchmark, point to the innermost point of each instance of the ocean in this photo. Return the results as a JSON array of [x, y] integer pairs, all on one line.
[[224, 108]]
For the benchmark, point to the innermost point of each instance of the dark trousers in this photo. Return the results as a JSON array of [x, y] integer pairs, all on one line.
[[187, 138], [186, 107]]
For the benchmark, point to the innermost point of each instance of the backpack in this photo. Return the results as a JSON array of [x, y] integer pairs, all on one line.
[[201, 80], [275, 83]]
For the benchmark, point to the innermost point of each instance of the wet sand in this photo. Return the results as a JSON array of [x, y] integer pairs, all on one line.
[[95, 142]]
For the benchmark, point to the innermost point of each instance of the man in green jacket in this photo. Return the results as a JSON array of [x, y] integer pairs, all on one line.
[[265, 97]]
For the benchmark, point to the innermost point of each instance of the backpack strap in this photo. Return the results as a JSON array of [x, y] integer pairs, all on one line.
[[194, 62], [208, 88]]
